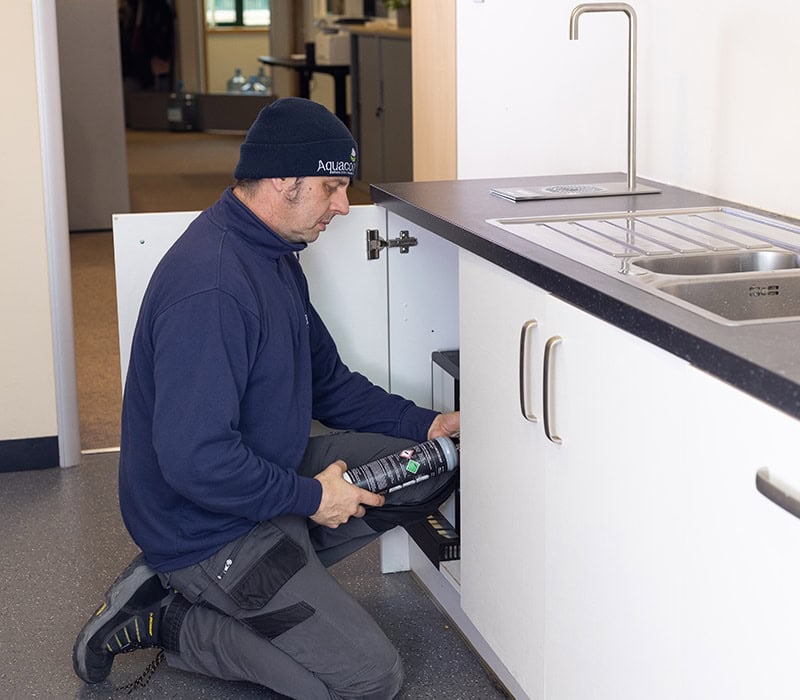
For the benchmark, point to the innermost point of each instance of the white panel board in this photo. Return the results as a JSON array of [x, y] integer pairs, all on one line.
[[140, 241]]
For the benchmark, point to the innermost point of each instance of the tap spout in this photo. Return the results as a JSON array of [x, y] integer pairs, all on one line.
[[573, 35]]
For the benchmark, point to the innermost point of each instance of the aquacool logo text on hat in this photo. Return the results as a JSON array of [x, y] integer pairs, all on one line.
[[338, 167]]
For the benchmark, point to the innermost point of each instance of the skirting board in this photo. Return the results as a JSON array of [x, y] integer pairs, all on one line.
[[28, 454]]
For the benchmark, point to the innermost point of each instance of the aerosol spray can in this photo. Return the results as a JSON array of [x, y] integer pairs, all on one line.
[[407, 467]]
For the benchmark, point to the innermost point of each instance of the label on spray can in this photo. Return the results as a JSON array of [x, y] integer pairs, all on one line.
[[409, 466]]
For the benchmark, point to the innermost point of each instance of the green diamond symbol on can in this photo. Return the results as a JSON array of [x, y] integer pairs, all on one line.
[[412, 466]]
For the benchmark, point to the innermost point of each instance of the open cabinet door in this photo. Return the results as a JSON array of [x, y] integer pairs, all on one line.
[[350, 292]]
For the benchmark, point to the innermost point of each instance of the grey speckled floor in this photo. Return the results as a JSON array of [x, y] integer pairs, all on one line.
[[62, 542]]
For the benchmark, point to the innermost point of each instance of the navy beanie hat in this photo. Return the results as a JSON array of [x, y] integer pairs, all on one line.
[[295, 137]]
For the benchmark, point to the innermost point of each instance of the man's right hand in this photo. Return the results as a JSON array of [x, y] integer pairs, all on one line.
[[340, 499]]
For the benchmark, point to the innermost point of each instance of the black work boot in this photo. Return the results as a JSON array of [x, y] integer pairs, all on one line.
[[128, 619]]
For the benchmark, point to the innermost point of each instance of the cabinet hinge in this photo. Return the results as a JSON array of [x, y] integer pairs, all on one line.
[[375, 243]]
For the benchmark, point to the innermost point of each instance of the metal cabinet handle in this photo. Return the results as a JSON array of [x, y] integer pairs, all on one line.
[[780, 494], [547, 392], [524, 371]]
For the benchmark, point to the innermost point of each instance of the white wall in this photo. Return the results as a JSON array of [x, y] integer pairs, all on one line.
[[718, 94], [27, 375]]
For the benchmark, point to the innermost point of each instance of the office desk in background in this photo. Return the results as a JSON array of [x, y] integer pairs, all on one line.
[[306, 69]]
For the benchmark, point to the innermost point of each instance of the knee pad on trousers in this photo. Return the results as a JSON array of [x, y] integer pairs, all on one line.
[[382, 687]]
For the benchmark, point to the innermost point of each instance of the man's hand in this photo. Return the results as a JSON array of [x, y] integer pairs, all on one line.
[[340, 499], [445, 425]]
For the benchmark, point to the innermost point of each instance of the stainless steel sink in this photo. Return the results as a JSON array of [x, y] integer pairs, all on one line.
[[728, 265], [720, 263], [743, 298]]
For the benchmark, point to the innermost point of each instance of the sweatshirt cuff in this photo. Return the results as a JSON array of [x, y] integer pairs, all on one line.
[[416, 422], [309, 496]]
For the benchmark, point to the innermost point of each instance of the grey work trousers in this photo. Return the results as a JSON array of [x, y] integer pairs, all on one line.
[[265, 609]]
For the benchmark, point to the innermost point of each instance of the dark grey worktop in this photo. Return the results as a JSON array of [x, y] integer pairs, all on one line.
[[762, 360]]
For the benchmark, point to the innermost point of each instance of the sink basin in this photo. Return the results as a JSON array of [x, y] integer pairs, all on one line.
[[721, 263], [741, 299], [728, 265]]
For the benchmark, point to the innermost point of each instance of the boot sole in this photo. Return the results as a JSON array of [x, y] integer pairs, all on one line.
[[126, 584]]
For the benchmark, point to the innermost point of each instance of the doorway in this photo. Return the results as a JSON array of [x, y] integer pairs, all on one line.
[[167, 171]]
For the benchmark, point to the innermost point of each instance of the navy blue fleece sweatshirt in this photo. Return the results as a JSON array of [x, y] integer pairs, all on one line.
[[229, 364]]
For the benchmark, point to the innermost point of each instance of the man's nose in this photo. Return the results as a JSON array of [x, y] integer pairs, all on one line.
[[340, 203]]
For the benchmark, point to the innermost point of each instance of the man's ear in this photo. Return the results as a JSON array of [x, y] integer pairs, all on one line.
[[282, 184]]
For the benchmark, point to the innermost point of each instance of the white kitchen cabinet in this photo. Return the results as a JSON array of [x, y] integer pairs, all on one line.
[[388, 314], [740, 579], [613, 500], [667, 573], [564, 568], [502, 468], [631, 556]]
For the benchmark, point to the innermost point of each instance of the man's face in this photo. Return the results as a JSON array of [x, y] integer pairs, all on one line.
[[311, 203]]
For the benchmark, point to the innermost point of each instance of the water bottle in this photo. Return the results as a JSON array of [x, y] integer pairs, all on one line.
[[254, 87], [265, 80], [409, 466], [237, 82]]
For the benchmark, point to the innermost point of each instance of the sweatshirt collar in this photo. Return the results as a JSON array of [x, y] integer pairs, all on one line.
[[235, 216]]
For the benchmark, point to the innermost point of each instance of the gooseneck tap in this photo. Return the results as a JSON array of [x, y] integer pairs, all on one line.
[[573, 35]]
